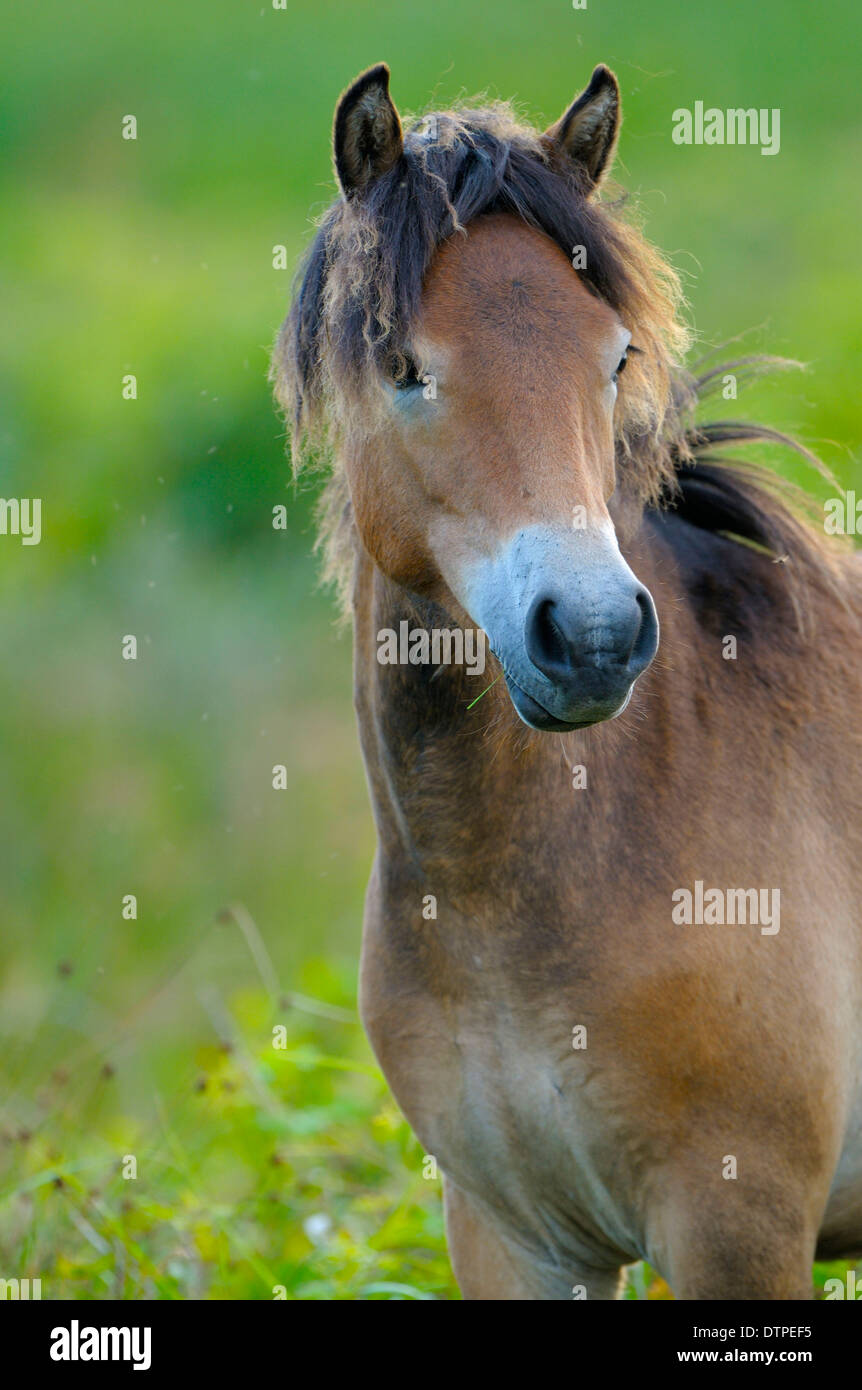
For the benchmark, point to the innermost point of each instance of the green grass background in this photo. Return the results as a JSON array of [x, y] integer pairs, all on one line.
[[152, 1038]]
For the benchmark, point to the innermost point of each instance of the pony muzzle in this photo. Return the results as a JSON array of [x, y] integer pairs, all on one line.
[[571, 625], [590, 655]]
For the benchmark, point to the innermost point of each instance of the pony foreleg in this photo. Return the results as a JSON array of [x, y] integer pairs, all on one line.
[[758, 1247], [488, 1267]]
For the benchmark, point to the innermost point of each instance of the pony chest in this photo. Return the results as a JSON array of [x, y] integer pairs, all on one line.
[[500, 1107]]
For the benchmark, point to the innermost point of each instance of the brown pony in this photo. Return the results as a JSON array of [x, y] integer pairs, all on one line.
[[612, 959]]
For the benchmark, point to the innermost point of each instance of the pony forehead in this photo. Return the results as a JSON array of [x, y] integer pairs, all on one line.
[[503, 274]]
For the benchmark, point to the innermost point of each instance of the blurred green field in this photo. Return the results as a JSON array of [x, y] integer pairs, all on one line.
[[260, 1168]]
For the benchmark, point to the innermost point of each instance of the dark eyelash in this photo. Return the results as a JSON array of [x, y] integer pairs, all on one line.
[[408, 377], [624, 359]]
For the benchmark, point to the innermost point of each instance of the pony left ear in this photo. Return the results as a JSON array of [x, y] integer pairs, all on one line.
[[366, 138], [587, 132]]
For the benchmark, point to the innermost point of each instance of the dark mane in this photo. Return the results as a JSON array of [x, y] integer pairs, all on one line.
[[359, 291], [746, 502]]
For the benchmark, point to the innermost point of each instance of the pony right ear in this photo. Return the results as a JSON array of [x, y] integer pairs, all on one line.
[[587, 132], [366, 138]]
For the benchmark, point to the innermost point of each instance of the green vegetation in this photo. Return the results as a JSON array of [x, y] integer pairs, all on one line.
[[152, 1038]]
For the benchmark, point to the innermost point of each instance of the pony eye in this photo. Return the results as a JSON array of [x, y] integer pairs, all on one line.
[[405, 376], [620, 366]]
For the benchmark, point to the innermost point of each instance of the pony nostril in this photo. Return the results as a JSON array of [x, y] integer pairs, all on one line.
[[638, 620], [645, 643], [551, 634], [546, 643]]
